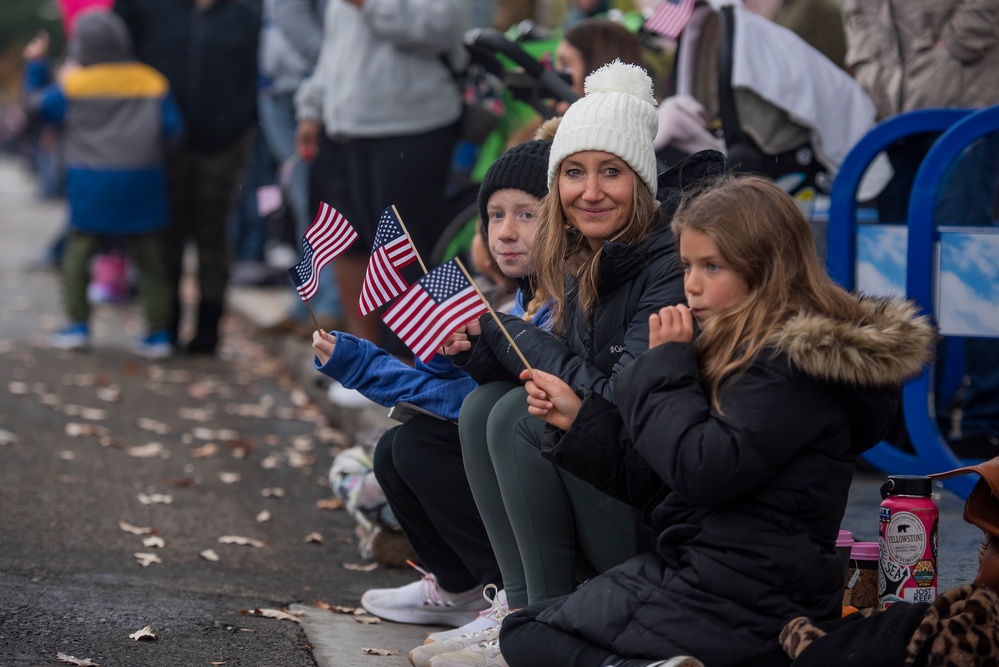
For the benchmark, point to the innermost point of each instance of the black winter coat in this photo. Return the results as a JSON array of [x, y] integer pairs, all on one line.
[[755, 495]]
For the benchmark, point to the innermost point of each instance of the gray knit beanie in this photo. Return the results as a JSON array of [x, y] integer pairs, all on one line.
[[617, 115]]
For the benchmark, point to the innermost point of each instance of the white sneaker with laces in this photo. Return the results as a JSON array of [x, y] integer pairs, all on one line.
[[422, 655], [483, 654], [490, 617], [422, 602]]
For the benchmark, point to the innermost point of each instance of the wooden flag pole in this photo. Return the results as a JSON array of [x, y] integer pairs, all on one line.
[[314, 320], [410, 239], [492, 312]]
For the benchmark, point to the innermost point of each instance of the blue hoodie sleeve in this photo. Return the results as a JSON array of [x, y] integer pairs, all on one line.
[[358, 364], [42, 97]]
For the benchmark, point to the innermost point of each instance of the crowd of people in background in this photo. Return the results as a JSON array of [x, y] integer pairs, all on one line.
[[641, 458]]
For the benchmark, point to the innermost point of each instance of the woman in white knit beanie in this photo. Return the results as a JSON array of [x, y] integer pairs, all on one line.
[[608, 262]]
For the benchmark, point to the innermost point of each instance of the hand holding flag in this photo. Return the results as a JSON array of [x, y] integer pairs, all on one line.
[[433, 308], [328, 236], [392, 251]]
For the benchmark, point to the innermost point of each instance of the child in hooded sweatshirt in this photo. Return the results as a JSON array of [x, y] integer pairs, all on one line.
[[116, 116]]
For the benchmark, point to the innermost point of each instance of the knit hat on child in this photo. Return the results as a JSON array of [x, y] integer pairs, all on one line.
[[523, 167], [616, 115]]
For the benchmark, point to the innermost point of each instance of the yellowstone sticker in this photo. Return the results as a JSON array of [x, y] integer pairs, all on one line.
[[905, 538]]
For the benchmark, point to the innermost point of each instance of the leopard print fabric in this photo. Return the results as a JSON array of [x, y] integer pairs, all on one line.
[[802, 631], [961, 629]]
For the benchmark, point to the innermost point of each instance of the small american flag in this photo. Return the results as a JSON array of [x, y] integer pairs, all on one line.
[[328, 236], [433, 308], [670, 17], [269, 199], [392, 251]]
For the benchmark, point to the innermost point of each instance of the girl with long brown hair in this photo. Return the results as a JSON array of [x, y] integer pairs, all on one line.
[[752, 427]]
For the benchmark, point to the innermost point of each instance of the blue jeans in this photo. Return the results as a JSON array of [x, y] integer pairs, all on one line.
[[277, 125]]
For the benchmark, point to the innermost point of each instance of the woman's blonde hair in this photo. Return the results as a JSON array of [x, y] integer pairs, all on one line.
[[560, 251], [764, 237]]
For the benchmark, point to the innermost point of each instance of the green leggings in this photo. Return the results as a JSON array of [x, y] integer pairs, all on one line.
[[539, 519]]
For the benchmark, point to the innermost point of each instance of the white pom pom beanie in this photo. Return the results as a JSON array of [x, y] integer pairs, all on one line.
[[616, 115]]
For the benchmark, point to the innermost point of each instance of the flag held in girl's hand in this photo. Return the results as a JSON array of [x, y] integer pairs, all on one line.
[[392, 250], [433, 308], [328, 236]]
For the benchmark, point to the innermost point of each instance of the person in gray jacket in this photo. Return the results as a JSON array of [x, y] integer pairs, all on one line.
[[385, 95]]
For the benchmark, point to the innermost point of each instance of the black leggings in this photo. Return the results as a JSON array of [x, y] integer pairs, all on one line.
[[526, 642], [419, 467]]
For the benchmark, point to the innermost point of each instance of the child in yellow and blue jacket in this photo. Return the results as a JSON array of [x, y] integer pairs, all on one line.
[[117, 116]]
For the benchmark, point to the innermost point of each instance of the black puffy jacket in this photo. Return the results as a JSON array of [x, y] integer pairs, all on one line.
[[755, 495]]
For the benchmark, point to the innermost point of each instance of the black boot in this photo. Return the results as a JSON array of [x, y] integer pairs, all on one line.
[[206, 337]]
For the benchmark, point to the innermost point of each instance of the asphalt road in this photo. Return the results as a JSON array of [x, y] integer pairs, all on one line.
[[104, 455]]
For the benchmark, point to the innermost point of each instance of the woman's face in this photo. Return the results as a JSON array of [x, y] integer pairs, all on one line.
[[570, 59], [597, 191], [510, 227]]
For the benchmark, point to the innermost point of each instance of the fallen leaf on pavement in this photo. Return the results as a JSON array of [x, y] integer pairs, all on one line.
[[367, 620], [147, 559], [77, 430], [272, 492], [151, 450], [209, 554], [335, 608], [135, 530], [230, 477], [110, 394], [329, 504], [360, 568], [237, 539], [7, 438], [263, 516], [153, 542], [202, 433], [70, 660], [197, 414], [279, 614], [380, 651], [146, 634], [67, 455], [314, 537], [111, 441], [93, 414], [205, 451], [155, 498], [147, 424]]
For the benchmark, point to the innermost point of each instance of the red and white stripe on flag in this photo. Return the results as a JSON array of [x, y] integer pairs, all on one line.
[[328, 236], [392, 250], [433, 308], [670, 17]]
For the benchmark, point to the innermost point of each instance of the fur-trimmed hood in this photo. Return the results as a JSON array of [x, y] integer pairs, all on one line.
[[888, 346]]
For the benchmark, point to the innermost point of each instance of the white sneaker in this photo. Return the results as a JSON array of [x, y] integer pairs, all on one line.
[[423, 602], [483, 654], [422, 655], [490, 617]]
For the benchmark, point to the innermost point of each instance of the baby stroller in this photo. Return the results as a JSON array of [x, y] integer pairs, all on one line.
[[513, 76], [778, 105]]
